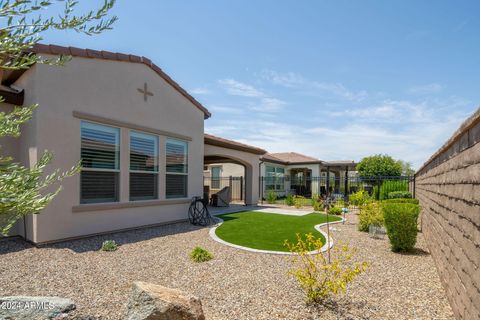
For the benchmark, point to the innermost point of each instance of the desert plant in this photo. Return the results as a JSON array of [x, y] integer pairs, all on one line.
[[335, 210], [359, 198], [370, 214], [199, 254], [271, 197], [109, 245], [401, 224], [318, 278], [399, 195], [317, 203], [402, 200], [289, 200], [298, 201]]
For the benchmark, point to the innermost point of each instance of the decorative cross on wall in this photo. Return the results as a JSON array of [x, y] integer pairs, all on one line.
[[145, 92]]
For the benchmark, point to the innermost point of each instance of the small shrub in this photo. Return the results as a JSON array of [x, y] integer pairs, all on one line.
[[316, 277], [109, 245], [298, 201], [359, 198], [289, 200], [335, 210], [370, 214], [402, 200], [317, 203], [399, 195], [199, 254], [401, 223], [271, 197]]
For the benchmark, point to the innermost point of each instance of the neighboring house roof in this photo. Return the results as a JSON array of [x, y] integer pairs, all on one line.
[[107, 55], [340, 163], [230, 144], [290, 158], [287, 158]]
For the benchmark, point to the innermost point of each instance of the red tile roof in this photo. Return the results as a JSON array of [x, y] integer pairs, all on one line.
[[290, 157], [107, 55]]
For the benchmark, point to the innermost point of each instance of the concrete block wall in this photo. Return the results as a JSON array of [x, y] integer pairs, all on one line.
[[448, 187]]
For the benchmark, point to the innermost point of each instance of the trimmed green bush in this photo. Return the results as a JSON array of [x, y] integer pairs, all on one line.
[[402, 200], [399, 195], [199, 254], [370, 214], [289, 200], [401, 223], [335, 210], [271, 197], [109, 245]]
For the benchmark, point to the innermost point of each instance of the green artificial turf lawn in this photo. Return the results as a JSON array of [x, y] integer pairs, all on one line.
[[268, 231]]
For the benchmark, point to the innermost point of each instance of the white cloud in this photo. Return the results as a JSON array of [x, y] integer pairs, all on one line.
[[295, 80], [238, 88], [226, 109], [353, 139], [426, 89], [200, 91], [269, 105]]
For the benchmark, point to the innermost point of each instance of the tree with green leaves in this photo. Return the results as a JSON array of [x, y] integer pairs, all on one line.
[[379, 165], [23, 190], [407, 169]]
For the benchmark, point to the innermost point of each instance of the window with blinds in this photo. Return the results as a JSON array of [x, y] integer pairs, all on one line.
[[100, 153], [143, 166], [176, 152]]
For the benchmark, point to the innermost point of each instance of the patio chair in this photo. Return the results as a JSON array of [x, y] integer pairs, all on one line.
[[222, 198]]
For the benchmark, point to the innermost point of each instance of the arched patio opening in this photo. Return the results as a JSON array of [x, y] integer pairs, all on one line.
[[233, 157]]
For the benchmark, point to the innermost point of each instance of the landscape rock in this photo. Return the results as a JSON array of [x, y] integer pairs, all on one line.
[[34, 308], [154, 302]]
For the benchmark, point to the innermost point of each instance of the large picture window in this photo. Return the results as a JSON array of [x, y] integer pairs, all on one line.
[[275, 178], [143, 166], [100, 153], [176, 168]]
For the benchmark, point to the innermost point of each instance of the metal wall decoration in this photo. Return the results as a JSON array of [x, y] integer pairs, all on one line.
[[145, 92]]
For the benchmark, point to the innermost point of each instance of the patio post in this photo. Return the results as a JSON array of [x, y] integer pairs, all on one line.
[[347, 192], [328, 181]]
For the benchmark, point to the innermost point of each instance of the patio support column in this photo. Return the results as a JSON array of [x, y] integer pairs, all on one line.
[[337, 182], [328, 181], [346, 184]]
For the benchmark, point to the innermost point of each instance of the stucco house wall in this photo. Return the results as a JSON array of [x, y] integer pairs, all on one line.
[[101, 90]]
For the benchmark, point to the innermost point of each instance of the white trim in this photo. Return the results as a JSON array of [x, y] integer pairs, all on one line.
[[317, 227]]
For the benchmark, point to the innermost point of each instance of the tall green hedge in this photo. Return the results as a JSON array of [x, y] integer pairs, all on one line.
[[402, 200], [401, 223], [388, 186]]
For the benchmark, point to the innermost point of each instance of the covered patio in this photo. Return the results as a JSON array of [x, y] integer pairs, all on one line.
[[219, 151]]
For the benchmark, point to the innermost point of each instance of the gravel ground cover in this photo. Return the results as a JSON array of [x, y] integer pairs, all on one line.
[[234, 285]]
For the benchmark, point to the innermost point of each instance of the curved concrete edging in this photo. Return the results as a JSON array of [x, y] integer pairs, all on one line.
[[317, 227]]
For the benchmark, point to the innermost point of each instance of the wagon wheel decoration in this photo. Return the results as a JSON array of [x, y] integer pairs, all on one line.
[[198, 214]]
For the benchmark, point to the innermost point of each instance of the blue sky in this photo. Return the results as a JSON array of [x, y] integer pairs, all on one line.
[[331, 79]]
